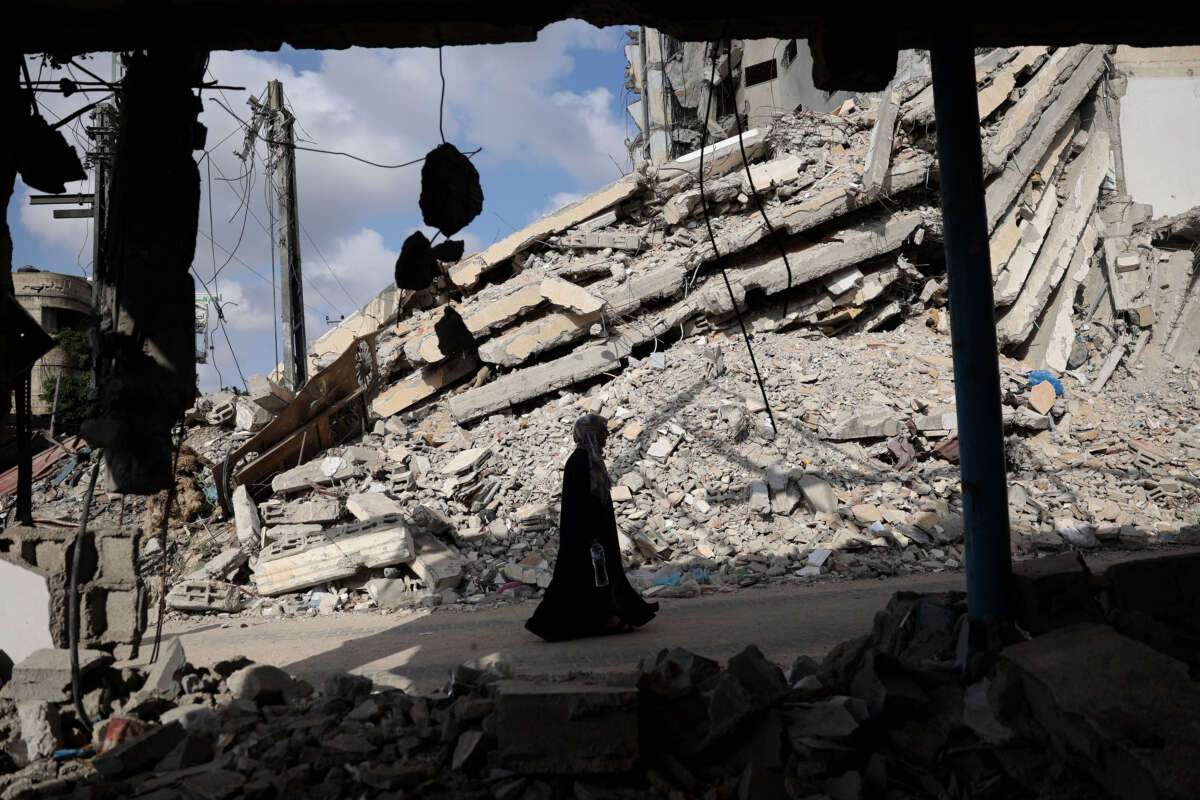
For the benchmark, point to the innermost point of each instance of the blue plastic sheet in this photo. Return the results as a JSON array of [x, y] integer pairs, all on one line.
[[668, 580], [1040, 375], [700, 574]]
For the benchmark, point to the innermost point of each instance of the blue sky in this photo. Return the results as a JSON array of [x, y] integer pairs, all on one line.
[[549, 115]]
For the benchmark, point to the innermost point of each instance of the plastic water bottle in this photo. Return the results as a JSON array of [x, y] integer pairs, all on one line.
[[598, 565]]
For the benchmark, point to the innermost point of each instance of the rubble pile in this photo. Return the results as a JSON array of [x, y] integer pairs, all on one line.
[[929, 704], [423, 467]]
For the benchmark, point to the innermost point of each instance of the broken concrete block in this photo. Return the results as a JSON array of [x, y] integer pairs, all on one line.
[[1070, 678], [46, 674], [511, 348], [274, 533], [632, 431], [320, 472], [371, 504], [245, 516], [867, 425], [41, 728], [222, 414], [467, 272], [818, 494], [222, 566], [438, 565], [297, 561], [421, 384], [760, 497], [250, 417], [466, 461], [390, 592], [268, 395], [163, 675], [621, 494], [662, 448], [204, 595], [569, 296], [263, 684], [300, 561], [602, 240], [1053, 592], [567, 728], [314, 509], [941, 421]]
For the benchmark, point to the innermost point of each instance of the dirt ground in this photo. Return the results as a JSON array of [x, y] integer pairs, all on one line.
[[419, 650]]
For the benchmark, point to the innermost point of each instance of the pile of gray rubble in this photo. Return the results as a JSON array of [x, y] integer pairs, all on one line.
[[444, 488], [929, 704]]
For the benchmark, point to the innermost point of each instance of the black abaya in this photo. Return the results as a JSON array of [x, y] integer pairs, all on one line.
[[573, 605]]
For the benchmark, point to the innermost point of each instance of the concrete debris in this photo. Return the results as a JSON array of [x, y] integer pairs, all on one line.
[[204, 595], [464, 454], [929, 697]]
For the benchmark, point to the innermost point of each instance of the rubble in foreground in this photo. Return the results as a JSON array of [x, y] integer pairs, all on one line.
[[929, 704]]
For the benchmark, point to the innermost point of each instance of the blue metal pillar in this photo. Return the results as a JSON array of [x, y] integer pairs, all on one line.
[[972, 327]]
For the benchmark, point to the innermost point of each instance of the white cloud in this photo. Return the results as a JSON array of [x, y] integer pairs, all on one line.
[[554, 203]]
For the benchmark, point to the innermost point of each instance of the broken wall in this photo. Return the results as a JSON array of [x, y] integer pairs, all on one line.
[[1160, 121]]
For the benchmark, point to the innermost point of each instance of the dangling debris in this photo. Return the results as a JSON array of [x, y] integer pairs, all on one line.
[[453, 335], [43, 157], [415, 266], [450, 251], [450, 192]]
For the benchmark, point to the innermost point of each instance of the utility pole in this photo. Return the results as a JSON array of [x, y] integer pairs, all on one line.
[[282, 143]]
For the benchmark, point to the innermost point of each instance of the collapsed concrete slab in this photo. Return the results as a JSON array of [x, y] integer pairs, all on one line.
[[1000, 193], [301, 560], [421, 385], [321, 472], [467, 272], [1041, 92], [313, 509], [1083, 186]]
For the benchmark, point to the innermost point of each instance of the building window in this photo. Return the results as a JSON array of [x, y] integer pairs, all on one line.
[[789, 53], [761, 73]]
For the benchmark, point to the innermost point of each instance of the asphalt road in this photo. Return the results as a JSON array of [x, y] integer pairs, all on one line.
[[418, 650]]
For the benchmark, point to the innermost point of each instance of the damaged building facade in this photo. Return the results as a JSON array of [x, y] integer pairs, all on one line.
[[419, 468]]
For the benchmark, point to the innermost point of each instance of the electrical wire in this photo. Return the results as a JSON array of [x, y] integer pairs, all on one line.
[[758, 200], [354, 303], [321, 150], [442, 101], [717, 255]]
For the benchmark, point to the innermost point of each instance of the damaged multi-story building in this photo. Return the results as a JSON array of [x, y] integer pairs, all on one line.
[[676, 86]]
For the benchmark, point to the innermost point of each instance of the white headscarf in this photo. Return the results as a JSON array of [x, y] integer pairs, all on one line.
[[590, 432]]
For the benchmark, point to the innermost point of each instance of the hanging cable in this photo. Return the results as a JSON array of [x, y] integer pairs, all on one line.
[[442, 101], [353, 302], [713, 241], [758, 200]]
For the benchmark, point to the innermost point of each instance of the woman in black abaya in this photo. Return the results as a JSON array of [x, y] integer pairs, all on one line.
[[586, 598]]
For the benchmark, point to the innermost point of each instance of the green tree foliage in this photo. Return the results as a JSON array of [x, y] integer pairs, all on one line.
[[76, 385]]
